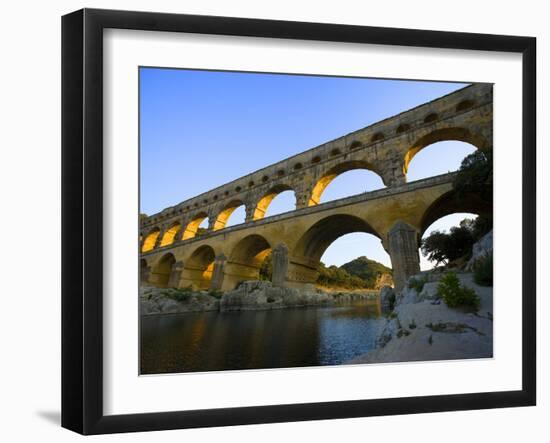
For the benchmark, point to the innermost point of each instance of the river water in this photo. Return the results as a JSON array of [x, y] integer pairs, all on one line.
[[211, 341]]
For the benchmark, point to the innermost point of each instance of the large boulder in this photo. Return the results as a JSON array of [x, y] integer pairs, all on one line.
[[261, 295], [422, 327], [173, 301]]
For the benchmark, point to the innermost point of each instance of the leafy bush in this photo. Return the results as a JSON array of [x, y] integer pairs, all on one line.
[[454, 294], [181, 294], [483, 271], [417, 283], [215, 293]]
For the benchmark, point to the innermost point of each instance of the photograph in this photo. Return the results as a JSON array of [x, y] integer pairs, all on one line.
[[297, 220]]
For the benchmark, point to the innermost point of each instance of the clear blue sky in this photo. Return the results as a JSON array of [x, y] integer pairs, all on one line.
[[201, 129]]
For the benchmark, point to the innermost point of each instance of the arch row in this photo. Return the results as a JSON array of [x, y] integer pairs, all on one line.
[[256, 205], [473, 128], [469, 108], [295, 258]]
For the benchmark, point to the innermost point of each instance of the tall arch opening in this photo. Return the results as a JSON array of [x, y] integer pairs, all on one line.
[[150, 240], [161, 273], [356, 260], [447, 213], [277, 200], [234, 213], [348, 178], [316, 241], [245, 260], [196, 226], [170, 235], [447, 148], [438, 158], [450, 239], [198, 268]]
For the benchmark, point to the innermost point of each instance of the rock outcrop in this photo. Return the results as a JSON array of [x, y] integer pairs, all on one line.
[[249, 296], [256, 295], [422, 327], [173, 301], [481, 249]]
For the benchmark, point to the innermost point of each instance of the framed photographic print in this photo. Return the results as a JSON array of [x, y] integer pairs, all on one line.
[[261, 217]]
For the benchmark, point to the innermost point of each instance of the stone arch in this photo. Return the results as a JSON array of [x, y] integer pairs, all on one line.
[[193, 226], [170, 234], [320, 235], [162, 271], [334, 172], [245, 260], [308, 250], [198, 268], [150, 240], [449, 204], [445, 134], [225, 213], [265, 201]]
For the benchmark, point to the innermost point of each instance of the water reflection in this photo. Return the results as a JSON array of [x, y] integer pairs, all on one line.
[[210, 341]]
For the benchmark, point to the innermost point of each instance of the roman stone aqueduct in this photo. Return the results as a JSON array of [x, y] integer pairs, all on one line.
[[173, 255]]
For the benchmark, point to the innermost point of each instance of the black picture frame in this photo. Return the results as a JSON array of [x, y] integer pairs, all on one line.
[[82, 218]]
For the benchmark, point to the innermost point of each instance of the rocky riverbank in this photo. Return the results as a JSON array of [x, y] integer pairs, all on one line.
[[419, 326], [249, 296], [422, 327]]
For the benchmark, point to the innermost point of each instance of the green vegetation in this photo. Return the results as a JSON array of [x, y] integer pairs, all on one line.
[[338, 277], [179, 294], [417, 283], [473, 182], [475, 177], [215, 293], [366, 269], [441, 247], [454, 294], [361, 273], [483, 271], [266, 270]]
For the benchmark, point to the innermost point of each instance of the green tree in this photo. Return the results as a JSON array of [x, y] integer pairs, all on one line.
[[475, 176], [441, 247]]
